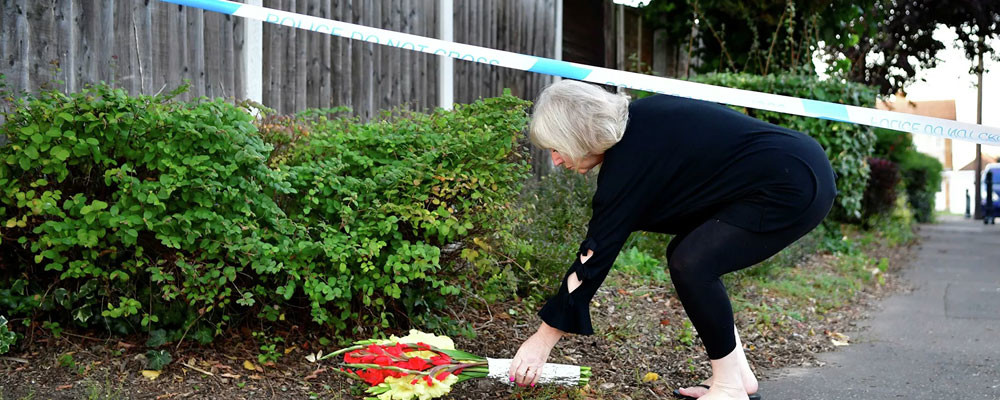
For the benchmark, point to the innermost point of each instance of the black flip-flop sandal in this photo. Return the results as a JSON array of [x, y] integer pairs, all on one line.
[[677, 394]]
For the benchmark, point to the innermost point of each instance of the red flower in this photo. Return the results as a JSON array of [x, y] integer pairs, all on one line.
[[441, 359], [414, 363], [396, 351], [376, 376]]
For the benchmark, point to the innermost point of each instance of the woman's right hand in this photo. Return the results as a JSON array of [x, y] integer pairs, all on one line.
[[527, 364]]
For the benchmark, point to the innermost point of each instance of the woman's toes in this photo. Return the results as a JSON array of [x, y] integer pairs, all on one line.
[[694, 391]]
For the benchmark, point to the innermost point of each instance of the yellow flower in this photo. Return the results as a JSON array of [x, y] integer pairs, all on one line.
[[441, 342], [402, 389]]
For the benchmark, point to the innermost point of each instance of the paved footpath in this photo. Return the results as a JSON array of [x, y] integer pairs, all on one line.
[[940, 341]]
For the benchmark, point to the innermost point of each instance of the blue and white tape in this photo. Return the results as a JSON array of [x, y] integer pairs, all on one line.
[[765, 101]]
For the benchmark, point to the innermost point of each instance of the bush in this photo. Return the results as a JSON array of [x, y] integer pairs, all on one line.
[[382, 199], [132, 211], [148, 213], [922, 177], [847, 145], [7, 338], [555, 210], [893, 145], [880, 195]]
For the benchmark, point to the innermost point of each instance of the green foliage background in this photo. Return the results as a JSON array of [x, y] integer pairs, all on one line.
[[147, 213]]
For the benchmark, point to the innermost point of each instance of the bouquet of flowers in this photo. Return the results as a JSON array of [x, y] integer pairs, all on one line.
[[426, 366]]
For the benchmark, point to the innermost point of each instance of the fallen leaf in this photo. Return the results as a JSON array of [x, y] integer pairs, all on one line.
[[838, 339], [230, 376], [256, 377], [664, 322], [151, 374], [314, 374], [64, 387], [623, 292], [650, 377], [249, 365], [290, 349]]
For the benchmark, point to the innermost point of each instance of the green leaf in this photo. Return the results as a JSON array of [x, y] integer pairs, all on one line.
[[31, 152], [60, 153], [29, 130], [158, 359], [157, 338]]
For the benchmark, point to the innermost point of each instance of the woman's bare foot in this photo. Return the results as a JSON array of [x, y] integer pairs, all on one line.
[[746, 375]]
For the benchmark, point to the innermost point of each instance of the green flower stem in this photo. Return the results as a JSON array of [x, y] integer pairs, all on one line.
[[376, 366], [342, 351], [350, 375]]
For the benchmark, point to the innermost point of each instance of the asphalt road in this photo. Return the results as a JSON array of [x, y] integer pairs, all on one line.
[[940, 341]]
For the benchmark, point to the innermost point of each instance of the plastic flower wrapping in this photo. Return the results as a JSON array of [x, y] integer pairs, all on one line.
[[425, 366]]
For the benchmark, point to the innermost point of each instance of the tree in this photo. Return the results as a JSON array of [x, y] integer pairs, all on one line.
[[756, 37], [883, 42]]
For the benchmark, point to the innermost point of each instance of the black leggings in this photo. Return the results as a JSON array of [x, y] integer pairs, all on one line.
[[698, 259]]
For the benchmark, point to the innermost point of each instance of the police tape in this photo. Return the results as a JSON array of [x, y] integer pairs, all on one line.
[[917, 124]]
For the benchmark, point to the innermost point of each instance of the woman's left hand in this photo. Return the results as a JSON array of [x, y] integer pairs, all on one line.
[[526, 366]]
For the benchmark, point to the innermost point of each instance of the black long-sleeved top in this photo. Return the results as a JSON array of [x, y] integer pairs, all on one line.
[[679, 162]]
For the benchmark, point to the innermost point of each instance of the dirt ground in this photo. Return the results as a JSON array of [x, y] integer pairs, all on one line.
[[638, 328]]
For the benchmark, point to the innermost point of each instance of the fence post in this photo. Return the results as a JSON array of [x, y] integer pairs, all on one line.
[[446, 72], [253, 57]]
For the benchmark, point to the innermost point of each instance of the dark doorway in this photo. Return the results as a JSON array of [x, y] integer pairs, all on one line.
[[583, 32]]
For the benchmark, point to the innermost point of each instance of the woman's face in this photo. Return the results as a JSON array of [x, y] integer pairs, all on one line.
[[582, 166]]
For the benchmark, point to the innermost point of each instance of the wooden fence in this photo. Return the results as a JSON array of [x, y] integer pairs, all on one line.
[[147, 46]]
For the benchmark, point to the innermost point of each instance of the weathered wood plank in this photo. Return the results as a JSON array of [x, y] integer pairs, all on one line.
[[196, 51], [143, 28], [239, 46], [227, 41], [20, 58], [325, 60], [123, 48], [65, 44], [290, 66], [299, 101], [212, 56]]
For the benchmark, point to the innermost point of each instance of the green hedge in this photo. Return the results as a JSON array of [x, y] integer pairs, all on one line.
[[143, 213], [921, 173], [847, 145], [922, 176]]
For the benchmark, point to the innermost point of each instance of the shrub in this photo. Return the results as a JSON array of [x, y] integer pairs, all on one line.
[[880, 194], [847, 145], [132, 211], [7, 338], [148, 213], [386, 201], [893, 145], [555, 210], [921, 175]]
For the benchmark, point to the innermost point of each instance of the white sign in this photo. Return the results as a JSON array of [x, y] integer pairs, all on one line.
[[633, 3]]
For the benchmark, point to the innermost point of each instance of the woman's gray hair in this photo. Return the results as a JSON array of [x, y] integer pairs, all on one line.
[[577, 119]]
